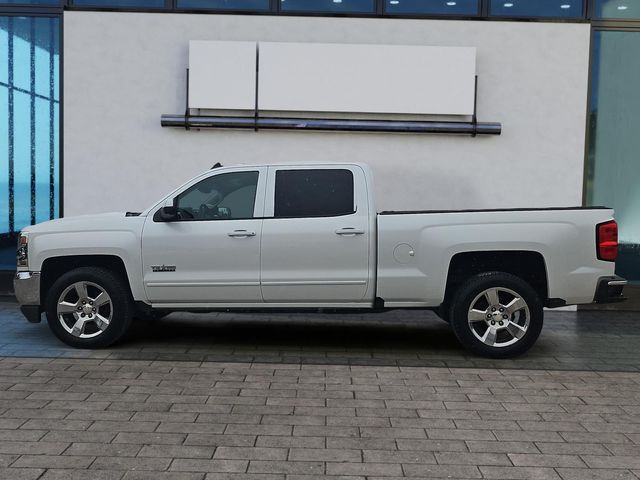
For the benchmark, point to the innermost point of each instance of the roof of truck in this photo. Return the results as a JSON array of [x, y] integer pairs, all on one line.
[[294, 164]]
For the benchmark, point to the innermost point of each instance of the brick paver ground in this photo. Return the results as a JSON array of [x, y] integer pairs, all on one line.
[[306, 397]]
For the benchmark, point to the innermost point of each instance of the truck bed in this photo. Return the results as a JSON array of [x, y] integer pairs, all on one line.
[[409, 212], [415, 248]]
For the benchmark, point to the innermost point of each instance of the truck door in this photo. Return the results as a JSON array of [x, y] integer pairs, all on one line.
[[212, 254], [316, 236]]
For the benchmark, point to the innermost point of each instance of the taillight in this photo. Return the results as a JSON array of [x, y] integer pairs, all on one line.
[[607, 241]]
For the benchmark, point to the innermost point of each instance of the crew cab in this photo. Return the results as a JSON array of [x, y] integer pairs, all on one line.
[[301, 237]]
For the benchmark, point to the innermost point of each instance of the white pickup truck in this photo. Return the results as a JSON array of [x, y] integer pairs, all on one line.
[[308, 236]]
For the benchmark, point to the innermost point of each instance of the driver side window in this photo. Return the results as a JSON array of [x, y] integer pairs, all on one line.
[[227, 196]]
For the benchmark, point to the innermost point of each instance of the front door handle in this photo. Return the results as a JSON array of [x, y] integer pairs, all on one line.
[[241, 233], [349, 231]]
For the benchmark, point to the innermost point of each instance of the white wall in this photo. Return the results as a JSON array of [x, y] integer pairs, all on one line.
[[123, 70]]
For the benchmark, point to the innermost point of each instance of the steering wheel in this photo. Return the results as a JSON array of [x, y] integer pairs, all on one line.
[[183, 213], [204, 211]]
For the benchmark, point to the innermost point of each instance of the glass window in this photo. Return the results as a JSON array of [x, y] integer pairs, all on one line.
[[313, 193], [613, 167], [225, 4], [617, 9], [332, 6], [29, 126], [432, 7], [537, 8], [30, 2], [227, 196], [119, 3]]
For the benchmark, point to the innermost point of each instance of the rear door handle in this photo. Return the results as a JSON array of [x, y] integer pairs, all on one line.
[[241, 233], [350, 231]]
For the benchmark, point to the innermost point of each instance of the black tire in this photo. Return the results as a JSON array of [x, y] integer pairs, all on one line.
[[470, 290], [443, 312], [120, 307]]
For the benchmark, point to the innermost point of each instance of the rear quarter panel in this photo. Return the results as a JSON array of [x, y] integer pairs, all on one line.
[[564, 238]]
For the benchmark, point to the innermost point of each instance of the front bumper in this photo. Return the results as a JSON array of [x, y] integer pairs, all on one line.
[[609, 290], [26, 286]]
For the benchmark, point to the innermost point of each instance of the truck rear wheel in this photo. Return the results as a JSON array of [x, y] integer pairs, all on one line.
[[89, 307], [496, 315]]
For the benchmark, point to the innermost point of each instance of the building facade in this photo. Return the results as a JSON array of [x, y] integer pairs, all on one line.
[[84, 85]]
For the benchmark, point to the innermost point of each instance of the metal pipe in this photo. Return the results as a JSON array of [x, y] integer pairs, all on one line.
[[346, 125]]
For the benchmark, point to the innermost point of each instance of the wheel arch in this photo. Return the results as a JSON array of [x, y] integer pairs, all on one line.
[[54, 267], [528, 265]]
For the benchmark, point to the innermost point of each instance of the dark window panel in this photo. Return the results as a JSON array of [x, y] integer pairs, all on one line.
[[20, 62], [29, 123], [313, 193], [31, 2], [330, 6], [119, 3], [22, 160], [256, 5], [617, 9], [432, 7], [4, 150], [612, 166], [537, 8]]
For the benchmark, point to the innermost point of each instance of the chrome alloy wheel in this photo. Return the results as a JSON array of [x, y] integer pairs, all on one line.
[[499, 317], [84, 309]]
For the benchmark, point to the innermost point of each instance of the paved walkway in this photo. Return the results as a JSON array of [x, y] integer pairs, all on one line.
[[569, 340], [279, 397], [112, 419]]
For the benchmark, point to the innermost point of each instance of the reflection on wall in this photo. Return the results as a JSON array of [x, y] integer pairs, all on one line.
[[342, 6], [613, 167], [627, 9], [224, 4], [537, 8], [29, 126]]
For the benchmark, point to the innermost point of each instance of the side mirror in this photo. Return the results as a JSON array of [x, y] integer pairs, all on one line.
[[167, 214]]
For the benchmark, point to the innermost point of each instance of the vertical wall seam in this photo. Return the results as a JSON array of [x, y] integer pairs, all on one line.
[[52, 179], [32, 113], [59, 41], [256, 111], [11, 151]]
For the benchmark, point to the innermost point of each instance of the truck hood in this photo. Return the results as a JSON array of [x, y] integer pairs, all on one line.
[[112, 221]]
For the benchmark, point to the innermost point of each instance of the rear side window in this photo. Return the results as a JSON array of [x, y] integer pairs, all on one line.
[[313, 193]]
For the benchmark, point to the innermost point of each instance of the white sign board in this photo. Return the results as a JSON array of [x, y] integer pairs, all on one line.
[[345, 78], [222, 75], [313, 77]]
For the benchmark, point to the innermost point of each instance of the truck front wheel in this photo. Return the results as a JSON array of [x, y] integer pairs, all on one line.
[[496, 315], [89, 307]]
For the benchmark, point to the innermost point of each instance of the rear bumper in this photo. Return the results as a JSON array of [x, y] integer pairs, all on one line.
[[26, 286], [609, 290]]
